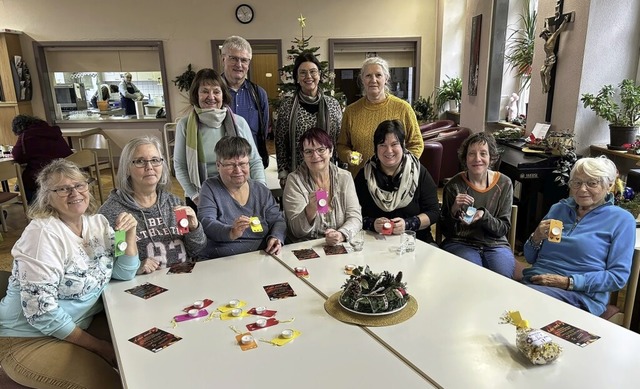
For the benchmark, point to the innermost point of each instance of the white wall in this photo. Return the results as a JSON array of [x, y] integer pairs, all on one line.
[[186, 27]]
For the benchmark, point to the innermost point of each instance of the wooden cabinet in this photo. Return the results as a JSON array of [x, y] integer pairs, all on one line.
[[9, 105]]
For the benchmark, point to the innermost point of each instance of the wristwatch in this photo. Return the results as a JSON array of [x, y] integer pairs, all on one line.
[[570, 287]]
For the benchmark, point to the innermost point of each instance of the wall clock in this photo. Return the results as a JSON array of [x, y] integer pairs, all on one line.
[[244, 13]]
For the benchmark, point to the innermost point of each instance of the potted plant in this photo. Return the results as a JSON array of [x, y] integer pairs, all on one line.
[[450, 91], [623, 118], [424, 109], [519, 49]]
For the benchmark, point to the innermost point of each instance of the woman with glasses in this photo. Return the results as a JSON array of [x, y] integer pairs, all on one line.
[[396, 192], [582, 249], [361, 118], [143, 190], [320, 198], [238, 214], [53, 332], [479, 236], [199, 132], [308, 107]]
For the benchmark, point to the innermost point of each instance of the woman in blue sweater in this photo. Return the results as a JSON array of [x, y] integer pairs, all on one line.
[[588, 255]]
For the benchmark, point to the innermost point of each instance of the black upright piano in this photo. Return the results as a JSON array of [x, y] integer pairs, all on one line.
[[534, 188]]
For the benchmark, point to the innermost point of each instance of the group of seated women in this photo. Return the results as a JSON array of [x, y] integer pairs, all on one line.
[[52, 329]]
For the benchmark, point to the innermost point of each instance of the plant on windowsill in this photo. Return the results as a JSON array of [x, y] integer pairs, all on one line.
[[519, 48], [450, 91], [424, 109], [623, 117]]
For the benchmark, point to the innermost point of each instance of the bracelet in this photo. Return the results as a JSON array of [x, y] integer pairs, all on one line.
[[571, 284], [535, 246]]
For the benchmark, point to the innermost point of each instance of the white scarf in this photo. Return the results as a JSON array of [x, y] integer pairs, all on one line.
[[211, 117]]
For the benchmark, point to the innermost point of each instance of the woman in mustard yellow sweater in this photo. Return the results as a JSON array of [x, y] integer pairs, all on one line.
[[361, 118]]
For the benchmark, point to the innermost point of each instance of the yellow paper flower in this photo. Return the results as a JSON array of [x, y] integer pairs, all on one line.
[[302, 20]]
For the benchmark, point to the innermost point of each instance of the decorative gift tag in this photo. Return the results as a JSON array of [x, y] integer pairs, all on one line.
[[198, 305], [301, 271], [261, 311], [191, 314], [254, 221], [235, 313], [285, 337], [231, 305], [120, 243], [262, 323], [246, 341], [555, 231], [322, 201], [182, 221]]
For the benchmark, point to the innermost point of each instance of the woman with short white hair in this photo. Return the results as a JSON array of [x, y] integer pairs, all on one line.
[[582, 249]]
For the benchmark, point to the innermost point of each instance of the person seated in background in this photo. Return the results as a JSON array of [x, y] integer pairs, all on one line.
[[53, 332], [394, 189], [582, 249], [106, 94], [479, 237], [197, 135], [340, 217], [238, 214], [129, 94], [38, 144], [143, 189]]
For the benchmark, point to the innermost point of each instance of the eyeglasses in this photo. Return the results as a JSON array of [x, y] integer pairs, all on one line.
[[233, 58], [233, 166], [320, 151], [312, 73], [575, 184], [155, 162], [66, 190]]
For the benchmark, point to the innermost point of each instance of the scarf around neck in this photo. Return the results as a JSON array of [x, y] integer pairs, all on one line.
[[196, 165], [322, 120], [407, 179]]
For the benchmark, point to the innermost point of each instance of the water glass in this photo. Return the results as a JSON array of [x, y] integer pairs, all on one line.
[[357, 241], [409, 241]]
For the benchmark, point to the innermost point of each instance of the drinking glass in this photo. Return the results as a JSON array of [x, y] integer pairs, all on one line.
[[357, 241], [409, 241]]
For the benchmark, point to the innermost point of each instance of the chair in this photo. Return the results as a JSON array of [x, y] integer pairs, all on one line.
[[8, 170], [87, 159], [612, 312], [431, 159], [168, 140], [25, 206], [95, 143], [451, 139], [431, 129]]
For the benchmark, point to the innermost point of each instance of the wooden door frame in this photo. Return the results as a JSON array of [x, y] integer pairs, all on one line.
[[416, 42], [276, 43]]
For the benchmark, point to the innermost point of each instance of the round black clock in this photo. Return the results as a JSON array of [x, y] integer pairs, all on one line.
[[244, 13]]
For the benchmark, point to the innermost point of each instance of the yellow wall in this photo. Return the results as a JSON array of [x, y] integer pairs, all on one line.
[[186, 27]]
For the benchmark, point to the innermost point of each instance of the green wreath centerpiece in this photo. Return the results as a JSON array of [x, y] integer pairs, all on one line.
[[373, 293]]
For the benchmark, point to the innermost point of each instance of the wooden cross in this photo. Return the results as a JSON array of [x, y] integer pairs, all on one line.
[[554, 25]]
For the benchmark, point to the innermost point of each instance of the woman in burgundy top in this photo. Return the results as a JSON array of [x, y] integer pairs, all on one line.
[[38, 144]]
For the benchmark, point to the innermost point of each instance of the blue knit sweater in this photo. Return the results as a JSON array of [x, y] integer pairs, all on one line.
[[596, 251]]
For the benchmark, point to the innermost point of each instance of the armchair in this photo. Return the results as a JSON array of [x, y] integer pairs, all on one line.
[[451, 139]]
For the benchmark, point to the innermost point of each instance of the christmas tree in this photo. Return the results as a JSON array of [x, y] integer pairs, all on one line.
[[287, 87]]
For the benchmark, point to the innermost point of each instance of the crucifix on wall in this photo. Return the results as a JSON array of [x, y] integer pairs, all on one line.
[[553, 26]]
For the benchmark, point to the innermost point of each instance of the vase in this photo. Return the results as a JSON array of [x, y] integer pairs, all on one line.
[[620, 135]]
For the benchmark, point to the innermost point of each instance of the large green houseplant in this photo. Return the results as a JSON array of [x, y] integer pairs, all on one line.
[[519, 48], [451, 90], [623, 117]]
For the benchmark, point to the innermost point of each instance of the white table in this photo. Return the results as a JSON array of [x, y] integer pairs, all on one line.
[[327, 354], [71, 133], [455, 338], [271, 175]]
